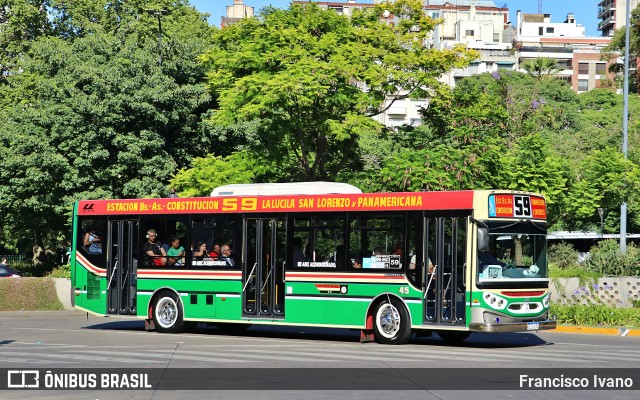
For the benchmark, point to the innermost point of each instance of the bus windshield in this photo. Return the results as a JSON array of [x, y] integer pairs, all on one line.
[[518, 251]]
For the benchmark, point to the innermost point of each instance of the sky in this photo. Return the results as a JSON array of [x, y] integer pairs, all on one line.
[[585, 11]]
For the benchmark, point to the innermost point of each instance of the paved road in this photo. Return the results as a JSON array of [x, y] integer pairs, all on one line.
[[78, 341]]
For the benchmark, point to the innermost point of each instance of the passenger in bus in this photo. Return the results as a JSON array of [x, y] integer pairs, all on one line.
[[92, 241], [226, 256], [341, 255], [176, 253], [216, 252], [154, 252], [199, 251], [412, 264], [298, 254], [358, 261]]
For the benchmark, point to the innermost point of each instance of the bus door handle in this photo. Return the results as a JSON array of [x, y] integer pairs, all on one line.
[[431, 275], [249, 276], [113, 273]]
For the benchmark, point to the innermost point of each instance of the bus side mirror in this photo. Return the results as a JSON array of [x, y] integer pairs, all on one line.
[[483, 239]]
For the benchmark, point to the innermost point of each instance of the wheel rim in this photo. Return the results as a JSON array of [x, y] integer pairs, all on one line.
[[167, 312], [388, 320]]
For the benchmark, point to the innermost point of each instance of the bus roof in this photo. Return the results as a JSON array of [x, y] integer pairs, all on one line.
[[293, 188]]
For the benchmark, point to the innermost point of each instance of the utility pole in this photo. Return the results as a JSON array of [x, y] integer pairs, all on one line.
[[158, 14], [625, 127]]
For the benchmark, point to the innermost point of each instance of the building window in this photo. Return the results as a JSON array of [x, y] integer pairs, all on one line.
[[468, 32], [583, 85], [583, 68], [540, 31], [601, 68], [550, 30]]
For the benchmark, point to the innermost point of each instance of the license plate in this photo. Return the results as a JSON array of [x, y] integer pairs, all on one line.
[[533, 326]]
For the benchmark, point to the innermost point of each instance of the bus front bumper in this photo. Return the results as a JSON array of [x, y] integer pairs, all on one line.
[[514, 326]]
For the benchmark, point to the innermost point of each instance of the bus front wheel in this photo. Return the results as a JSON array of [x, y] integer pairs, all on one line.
[[167, 313], [391, 323]]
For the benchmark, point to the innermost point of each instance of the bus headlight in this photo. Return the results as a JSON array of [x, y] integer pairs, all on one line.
[[494, 301], [546, 300]]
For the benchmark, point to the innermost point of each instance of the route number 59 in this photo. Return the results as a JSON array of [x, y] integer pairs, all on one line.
[[522, 206]]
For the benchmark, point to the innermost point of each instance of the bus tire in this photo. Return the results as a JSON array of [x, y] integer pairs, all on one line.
[[454, 336], [167, 313], [391, 322]]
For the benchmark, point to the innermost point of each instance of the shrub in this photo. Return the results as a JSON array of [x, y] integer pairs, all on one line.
[[605, 258], [598, 314], [564, 255], [63, 271]]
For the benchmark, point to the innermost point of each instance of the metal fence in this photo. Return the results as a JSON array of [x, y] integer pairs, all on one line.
[[12, 258]]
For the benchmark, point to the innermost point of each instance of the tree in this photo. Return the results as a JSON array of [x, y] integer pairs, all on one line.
[[312, 79], [212, 171], [90, 114], [541, 67]]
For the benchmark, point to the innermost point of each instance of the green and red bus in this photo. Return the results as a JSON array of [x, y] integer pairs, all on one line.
[[387, 264]]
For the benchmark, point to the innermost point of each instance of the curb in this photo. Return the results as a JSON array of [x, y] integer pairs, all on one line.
[[592, 330], [40, 314]]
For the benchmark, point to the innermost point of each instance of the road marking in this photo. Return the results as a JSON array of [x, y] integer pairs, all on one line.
[[77, 357], [164, 356]]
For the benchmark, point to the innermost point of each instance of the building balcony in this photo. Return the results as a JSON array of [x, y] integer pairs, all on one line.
[[606, 23], [605, 11]]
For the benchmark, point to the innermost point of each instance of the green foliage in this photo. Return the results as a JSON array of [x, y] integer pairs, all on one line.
[[300, 73], [62, 271], [564, 255], [210, 172], [541, 67], [578, 314], [28, 294], [605, 259], [87, 112], [529, 165]]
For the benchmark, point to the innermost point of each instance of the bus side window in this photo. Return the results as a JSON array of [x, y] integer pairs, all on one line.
[[92, 239]]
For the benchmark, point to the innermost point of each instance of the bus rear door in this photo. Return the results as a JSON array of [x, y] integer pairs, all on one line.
[[122, 245], [263, 267]]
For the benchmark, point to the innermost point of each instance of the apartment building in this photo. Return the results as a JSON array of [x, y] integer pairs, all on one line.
[[577, 55], [236, 12], [612, 15]]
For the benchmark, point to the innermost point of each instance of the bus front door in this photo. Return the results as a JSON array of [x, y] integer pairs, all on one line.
[[444, 296], [122, 243], [263, 267]]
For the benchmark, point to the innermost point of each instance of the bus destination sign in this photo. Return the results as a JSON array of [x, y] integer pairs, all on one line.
[[517, 206]]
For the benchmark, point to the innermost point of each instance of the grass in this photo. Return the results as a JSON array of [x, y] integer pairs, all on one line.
[[575, 271], [28, 294]]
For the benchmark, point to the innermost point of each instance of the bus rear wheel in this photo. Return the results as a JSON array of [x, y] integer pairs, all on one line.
[[391, 323], [167, 313]]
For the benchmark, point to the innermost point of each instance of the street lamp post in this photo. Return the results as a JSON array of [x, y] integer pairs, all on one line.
[[158, 14], [601, 213]]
